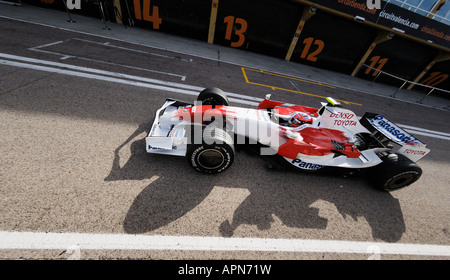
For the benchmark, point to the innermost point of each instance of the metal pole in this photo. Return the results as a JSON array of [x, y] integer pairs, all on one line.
[[426, 95], [103, 9], [379, 72], [68, 13], [130, 19], [399, 89]]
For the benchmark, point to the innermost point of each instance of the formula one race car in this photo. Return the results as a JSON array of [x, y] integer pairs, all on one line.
[[208, 131]]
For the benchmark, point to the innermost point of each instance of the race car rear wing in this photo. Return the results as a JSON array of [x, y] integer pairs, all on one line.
[[411, 147]]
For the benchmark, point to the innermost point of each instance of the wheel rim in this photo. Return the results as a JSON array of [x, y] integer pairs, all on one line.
[[209, 101], [401, 181], [210, 159]]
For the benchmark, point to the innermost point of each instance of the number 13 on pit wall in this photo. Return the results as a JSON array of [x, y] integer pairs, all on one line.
[[239, 31], [147, 13]]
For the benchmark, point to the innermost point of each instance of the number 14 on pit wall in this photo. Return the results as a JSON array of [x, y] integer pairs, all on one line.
[[147, 13]]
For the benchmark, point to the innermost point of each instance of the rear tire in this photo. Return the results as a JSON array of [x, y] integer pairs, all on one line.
[[395, 172], [213, 96]]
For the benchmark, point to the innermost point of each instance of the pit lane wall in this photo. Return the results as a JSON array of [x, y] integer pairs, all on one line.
[[339, 35]]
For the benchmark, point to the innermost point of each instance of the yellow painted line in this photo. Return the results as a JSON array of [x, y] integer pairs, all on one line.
[[245, 75], [290, 90], [287, 77]]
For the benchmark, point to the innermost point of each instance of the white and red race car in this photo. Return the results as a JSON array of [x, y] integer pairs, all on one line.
[[208, 131]]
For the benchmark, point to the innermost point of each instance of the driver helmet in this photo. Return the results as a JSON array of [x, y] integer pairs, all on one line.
[[298, 119]]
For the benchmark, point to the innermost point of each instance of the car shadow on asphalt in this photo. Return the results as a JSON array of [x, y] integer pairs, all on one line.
[[287, 194]]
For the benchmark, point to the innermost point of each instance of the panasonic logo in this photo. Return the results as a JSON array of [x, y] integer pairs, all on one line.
[[306, 165], [386, 126]]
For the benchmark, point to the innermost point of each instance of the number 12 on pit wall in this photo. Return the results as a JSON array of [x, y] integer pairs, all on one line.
[[148, 13], [310, 54]]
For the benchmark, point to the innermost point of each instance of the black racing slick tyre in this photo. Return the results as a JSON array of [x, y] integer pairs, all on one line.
[[395, 172], [213, 96], [214, 155]]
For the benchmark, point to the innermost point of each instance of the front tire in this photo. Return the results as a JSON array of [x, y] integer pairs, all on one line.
[[395, 172], [214, 155], [213, 96]]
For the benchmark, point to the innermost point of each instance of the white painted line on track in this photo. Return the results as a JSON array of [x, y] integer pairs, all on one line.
[[112, 79], [66, 56], [92, 73], [48, 45], [132, 50], [87, 69], [426, 132], [147, 82], [95, 241], [417, 132]]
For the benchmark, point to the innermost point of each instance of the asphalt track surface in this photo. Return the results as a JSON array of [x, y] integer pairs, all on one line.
[[75, 109]]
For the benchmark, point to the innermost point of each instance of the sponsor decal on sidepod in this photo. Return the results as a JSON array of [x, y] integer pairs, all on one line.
[[305, 165]]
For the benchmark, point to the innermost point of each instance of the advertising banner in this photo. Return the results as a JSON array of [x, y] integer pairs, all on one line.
[[393, 16]]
